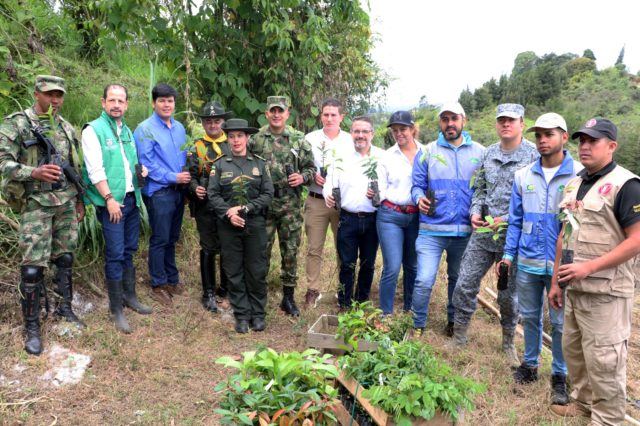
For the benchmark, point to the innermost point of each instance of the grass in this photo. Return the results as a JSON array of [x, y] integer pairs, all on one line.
[[164, 372]]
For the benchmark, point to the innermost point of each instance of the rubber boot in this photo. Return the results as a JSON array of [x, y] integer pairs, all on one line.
[[509, 348], [129, 296], [116, 306], [208, 276], [223, 288], [30, 285], [64, 289], [288, 304], [459, 338]]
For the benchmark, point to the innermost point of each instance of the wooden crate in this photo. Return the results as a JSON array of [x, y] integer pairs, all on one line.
[[380, 417], [322, 335]]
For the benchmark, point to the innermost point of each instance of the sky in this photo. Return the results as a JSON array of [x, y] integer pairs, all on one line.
[[438, 48]]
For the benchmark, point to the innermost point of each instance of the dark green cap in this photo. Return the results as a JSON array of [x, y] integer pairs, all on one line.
[[47, 83], [214, 109], [277, 101]]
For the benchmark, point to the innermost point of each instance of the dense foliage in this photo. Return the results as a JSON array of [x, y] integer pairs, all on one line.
[[408, 380], [235, 51], [285, 389]]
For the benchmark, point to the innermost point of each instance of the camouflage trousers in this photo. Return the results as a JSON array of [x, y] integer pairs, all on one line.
[[285, 217], [47, 232], [475, 263]]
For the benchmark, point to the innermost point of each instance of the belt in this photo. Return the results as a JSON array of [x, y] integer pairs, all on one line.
[[408, 209], [130, 194], [174, 187], [358, 214], [316, 195]]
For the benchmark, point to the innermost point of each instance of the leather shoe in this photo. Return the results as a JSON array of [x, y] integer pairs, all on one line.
[[258, 324], [161, 295], [175, 289], [570, 410], [242, 326], [311, 298]]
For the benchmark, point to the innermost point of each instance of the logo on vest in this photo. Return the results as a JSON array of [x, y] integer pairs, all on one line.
[[109, 142], [605, 189], [530, 187]]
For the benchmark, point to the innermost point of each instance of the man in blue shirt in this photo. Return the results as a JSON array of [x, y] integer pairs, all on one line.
[[159, 141], [531, 239]]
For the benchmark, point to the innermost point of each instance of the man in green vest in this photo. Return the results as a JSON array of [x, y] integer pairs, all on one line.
[[206, 150], [110, 161], [39, 189]]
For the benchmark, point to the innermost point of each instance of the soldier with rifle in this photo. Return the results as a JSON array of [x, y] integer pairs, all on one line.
[[39, 164]]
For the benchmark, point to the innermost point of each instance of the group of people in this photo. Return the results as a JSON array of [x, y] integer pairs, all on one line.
[[544, 221]]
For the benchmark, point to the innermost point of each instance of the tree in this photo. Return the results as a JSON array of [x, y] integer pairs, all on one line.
[[620, 60], [588, 53]]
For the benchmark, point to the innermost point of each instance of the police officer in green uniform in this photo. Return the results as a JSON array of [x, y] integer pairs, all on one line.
[[205, 151], [240, 192], [49, 204], [290, 161]]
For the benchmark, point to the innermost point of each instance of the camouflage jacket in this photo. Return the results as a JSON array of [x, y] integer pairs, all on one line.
[[494, 182], [18, 162], [290, 147]]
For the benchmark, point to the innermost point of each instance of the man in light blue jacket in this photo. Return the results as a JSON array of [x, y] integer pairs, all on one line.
[[442, 189], [531, 238]]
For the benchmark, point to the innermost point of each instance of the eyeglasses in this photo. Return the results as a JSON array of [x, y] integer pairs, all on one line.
[[361, 132]]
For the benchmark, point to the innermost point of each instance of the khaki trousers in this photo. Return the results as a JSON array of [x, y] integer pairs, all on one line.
[[317, 217], [594, 342]]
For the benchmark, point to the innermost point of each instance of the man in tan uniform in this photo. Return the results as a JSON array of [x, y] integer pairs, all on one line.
[[603, 240]]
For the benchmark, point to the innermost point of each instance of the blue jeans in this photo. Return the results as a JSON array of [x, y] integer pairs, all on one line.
[[121, 239], [165, 208], [397, 233], [429, 249], [530, 289], [357, 237]]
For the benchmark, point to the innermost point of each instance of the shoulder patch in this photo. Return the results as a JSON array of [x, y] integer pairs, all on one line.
[[636, 208]]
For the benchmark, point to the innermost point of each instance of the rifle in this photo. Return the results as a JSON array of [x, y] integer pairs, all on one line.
[[53, 157]]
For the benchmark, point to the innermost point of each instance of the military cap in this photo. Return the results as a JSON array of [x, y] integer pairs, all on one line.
[[277, 101], [47, 83], [238, 124], [510, 110], [214, 109]]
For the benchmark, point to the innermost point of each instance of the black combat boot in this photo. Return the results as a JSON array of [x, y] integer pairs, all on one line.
[[30, 285], [223, 288], [208, 276], [525, 374], [559, 394], [116, 306], [64, 289], [288, 304], [129, 296]]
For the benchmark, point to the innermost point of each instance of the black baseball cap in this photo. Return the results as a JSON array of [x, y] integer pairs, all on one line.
[[401, 117], [598, 128]]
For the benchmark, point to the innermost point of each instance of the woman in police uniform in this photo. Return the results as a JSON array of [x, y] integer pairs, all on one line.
[[241, 224]]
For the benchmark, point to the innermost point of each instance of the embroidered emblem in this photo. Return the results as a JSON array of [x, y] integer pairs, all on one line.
[[591, 123], [636, 208], [226, 175], [530, 187], [605, 189], [109, 142], [475, 160], [561, 188], [255, 171], [213, 172]]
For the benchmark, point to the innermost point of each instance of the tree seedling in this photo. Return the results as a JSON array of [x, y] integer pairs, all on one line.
[[496, 230], [370, 166]]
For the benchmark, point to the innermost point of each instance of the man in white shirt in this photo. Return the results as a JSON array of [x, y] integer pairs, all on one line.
[[327, 144], [110, 160], [357, 235]]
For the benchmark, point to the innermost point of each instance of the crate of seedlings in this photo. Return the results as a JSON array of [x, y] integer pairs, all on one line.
[[360, 329], [404, 384]]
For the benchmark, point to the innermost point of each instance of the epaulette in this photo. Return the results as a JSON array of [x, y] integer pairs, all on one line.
[[15, 114], [257, 156], [221, 157]]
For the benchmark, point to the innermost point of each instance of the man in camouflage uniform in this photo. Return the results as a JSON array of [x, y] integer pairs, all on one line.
[[493, 191], [50, 206], [206, 150], [290, 163]]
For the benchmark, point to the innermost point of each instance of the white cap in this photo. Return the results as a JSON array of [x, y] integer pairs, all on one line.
[[453, 107], [550, 120]]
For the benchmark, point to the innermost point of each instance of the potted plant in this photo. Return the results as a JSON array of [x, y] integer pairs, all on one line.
[[569, 224], [288, 389], [240, 190], [335, 191], [370, 166]]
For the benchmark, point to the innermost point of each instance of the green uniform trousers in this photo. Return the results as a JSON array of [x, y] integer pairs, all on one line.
[[244, 262]]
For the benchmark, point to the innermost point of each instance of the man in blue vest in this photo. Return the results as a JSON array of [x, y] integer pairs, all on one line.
[[110, 161]]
